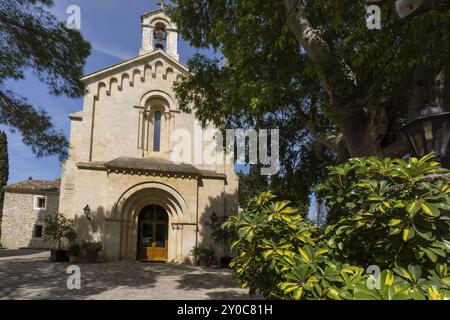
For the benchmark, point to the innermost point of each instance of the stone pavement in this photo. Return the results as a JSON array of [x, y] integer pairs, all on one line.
[[27, 274]]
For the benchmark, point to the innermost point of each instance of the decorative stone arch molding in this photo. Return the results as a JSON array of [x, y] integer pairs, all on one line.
[[151, 102], [162, 20], [157, 95], [140, 74], [166, 196], [131, 203], [101, 90]]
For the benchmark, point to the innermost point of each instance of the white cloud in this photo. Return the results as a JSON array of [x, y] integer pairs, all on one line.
[[112, 52]]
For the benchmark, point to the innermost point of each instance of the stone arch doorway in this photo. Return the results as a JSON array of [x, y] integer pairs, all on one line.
[[130, 205], [153, 231]]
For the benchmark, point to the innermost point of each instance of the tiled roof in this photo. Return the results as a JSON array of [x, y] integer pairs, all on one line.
[[35, 185], [152, 165]]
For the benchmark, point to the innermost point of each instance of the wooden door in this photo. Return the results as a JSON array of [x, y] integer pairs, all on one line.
[[153, 234]]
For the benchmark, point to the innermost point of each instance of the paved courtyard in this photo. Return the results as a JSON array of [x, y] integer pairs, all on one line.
[[27, 274]]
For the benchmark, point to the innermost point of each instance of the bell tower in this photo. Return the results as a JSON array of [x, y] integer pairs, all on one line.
[[159, 33]]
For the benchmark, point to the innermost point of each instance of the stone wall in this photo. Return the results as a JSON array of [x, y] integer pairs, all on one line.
[[19, 219]]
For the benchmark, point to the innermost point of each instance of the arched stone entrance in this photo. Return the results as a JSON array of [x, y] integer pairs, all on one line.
[[153, 233], [130, 208]]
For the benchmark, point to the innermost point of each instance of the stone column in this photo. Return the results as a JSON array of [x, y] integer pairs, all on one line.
[[167, 118], [172, 43], [147, 39]]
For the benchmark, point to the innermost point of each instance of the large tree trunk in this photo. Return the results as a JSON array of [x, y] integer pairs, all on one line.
[[363, 128], [360, 142]]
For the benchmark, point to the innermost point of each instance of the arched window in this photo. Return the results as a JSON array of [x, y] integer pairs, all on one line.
[[157, 133]]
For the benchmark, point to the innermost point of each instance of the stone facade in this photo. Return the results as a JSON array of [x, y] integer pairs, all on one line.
[[21, 216], [117, 169]]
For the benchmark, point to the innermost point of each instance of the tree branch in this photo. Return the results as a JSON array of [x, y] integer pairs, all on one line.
[[315, 46], [327, 139]]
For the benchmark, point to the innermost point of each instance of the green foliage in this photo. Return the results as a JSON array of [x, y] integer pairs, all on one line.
[[283, 256], [33, 39], [203, 255], [58, 229], [91, 246], [386, 212], [254, 39], [4, 169], [266, 231], [250, 85], [220, 235], [327, 106], [251, 184], [406, 284], [293, 182]]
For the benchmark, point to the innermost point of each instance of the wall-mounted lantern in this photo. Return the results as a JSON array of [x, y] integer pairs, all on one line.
[[429, 132], [214, 217], [87, 212], [211, 221]]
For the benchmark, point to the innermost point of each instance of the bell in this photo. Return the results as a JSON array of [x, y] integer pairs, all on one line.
[[159, 35]]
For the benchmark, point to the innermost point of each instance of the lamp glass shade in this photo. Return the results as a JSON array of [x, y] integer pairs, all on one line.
[[430, 132]]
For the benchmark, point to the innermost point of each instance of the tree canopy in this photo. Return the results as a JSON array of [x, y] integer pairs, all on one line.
[[313, 69], [32, 38]]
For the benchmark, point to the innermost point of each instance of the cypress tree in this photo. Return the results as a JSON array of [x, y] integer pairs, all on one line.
[[4, 168]]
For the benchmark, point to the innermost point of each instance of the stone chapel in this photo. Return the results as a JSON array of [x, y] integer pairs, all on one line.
[[119, 183]]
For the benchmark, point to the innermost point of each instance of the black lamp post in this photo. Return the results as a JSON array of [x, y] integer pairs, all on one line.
[[429, 132]]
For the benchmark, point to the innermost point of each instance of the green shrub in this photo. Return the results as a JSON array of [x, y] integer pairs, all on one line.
[[91, 246], [283, 256], [386, 212], [267, 233], [203, 255]]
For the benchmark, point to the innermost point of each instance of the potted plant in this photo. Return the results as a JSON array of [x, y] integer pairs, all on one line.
[[74, 253], [222, 236], [91, 250], [204, 256], [59, 230]]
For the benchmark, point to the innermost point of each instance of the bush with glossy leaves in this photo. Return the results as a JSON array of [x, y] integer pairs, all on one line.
[[283, 256]]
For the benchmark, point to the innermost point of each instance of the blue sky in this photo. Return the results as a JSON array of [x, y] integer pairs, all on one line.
[[113, 29]]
